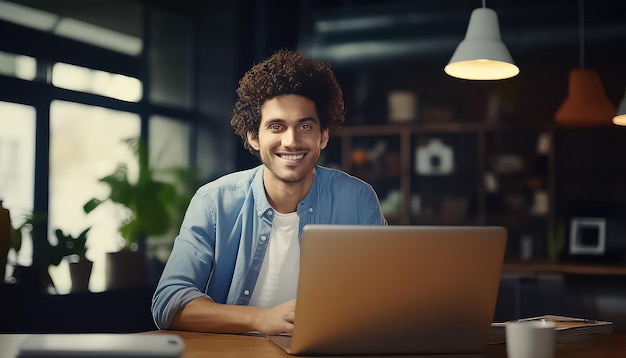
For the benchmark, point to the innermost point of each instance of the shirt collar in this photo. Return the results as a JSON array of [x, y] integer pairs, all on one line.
[[309, 199], [261, 203]]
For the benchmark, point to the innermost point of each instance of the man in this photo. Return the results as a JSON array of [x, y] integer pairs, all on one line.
[[234, 265]]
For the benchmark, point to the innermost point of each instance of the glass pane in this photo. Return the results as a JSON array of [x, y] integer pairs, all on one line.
[[27, 16], [99, 36], [169, 149], [98, 82], [86, 144], [171, 59], [17, 170], [169, 142], [215, 153], [19, 66], [112, 24]]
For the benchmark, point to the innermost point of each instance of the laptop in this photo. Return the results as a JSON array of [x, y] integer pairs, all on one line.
[[392, 290], [101, 345]]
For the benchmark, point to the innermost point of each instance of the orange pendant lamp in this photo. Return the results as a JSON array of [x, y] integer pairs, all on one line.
[[587, 104]]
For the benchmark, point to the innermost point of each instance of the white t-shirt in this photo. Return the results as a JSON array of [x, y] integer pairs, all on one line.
[[278, 279]]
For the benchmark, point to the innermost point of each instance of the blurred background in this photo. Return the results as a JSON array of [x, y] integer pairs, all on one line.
[[113, 112]]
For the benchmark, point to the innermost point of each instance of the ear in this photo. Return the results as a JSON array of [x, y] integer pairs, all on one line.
[[253, 141], [325, 137]]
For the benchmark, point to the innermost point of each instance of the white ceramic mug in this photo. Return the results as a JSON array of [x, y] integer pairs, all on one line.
[[530, 339]]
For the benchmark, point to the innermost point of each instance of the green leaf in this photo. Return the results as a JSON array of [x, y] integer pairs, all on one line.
[[156, 206], [91, 205]]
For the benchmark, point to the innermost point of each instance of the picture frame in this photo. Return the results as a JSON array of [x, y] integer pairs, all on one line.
[[434, 158], [587, 236]]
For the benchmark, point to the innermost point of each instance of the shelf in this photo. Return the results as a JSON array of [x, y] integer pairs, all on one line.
[[451, 188], [533, 268], [438, 127]]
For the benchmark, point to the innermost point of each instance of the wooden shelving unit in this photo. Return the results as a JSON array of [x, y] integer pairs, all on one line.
[[391, 168]]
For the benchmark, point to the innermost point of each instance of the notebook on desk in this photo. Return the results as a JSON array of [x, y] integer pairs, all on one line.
[[390, 290], [101, 345]]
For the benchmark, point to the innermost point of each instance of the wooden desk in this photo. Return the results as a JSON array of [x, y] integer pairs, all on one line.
[[215, 345], [201, 345]]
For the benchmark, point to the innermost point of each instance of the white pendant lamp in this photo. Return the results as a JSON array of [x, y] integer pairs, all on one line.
[[586, 104], [482, 55], [620, 117]]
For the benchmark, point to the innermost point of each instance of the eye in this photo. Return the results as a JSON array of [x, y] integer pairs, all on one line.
[[275, 127], [306, 127]]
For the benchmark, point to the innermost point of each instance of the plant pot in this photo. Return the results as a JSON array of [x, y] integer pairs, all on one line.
[[5, 239], [33, 279], [80, 272], [125, 270], [4, 253]]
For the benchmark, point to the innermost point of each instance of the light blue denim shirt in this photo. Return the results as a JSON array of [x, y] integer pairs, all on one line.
[[222, 241]]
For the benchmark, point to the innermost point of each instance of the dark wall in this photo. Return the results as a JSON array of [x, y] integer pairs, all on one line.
[[376, 47]]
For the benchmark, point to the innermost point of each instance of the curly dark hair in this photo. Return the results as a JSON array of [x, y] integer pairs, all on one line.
[[287, 72]]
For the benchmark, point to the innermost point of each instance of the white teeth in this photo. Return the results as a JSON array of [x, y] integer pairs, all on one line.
[[292, 157]]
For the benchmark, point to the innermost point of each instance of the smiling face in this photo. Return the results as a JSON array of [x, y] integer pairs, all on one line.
[[290, 140]]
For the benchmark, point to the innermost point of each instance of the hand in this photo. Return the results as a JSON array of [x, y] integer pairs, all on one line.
[[277, 319]]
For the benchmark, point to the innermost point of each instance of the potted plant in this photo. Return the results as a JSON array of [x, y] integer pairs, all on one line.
[[36, 277], [80, 266], [156, 207]]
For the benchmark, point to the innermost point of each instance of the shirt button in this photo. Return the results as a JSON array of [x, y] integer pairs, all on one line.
[[246, 292], [263, 238], [310, 210], [269, 212]]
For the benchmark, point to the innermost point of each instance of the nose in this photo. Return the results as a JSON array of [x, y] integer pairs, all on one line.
[[291, 138]]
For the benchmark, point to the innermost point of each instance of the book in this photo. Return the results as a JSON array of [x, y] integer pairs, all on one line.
[[568, 329]]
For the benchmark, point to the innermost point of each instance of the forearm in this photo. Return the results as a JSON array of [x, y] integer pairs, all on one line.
[[204, 315]]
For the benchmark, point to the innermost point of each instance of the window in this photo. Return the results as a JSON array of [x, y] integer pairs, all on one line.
[[86, 144], [17, 169], [87, 89]]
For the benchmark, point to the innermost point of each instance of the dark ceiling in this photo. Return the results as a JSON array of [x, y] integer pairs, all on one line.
[[356, 32], [399, 41], [385, 30], [378, 46]]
